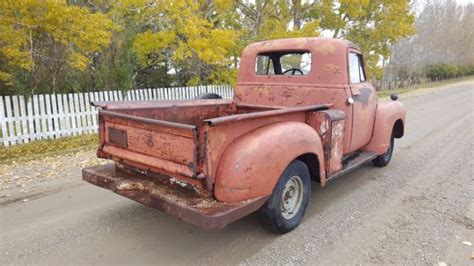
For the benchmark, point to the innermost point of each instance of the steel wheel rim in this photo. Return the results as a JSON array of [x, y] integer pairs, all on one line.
[[291, 197]]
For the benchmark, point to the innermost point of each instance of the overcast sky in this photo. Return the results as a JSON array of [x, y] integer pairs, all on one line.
[[465, 1], [419, 4]]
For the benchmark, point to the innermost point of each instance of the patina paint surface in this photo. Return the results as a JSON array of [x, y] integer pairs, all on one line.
[[363, 110], [326, 83], [210, 162], [171, 196], [388, 113], [329, 125], [251, 166]]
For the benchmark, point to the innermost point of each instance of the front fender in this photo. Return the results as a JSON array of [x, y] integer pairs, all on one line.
[[251, 166], [388, 114]]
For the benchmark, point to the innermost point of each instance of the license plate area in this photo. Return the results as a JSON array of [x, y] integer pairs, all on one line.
[[118, 137]]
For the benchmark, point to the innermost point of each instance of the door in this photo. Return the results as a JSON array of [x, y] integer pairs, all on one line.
[[364, 102]]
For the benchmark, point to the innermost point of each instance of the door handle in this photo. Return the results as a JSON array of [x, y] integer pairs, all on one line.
[[350, 101]]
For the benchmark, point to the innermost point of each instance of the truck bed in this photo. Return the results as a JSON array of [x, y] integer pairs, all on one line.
[[182, 139]]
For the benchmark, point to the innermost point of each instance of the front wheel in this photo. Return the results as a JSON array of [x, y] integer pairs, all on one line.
[[384, 159], [285, 208]]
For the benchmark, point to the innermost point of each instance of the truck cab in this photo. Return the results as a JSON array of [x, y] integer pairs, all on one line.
[[297, 72], [303, 110]]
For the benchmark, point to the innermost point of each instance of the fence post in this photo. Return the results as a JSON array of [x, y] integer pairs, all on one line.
[[24, 119], [17, 117], [31, 121], [3, 122], [9, 118]]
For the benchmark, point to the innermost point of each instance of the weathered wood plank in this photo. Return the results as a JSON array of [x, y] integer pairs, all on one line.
[[31, 119], [55, 116], [17, 120], [72, 118], [9, 116], [49, 117], [88, 113], [3, 123], [24, 119], [61, 115]]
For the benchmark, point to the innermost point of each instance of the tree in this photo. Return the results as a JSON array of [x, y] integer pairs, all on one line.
[[374, 25], [123, 44], [37, 37], [272, 19], [184, 37], [443, 37]]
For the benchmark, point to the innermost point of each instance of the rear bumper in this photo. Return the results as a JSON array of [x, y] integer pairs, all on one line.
[[190, 207]]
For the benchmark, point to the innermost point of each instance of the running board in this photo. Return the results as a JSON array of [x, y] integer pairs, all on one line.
[[353, 162]]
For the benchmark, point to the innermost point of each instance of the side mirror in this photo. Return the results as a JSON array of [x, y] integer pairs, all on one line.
[[394, 96]]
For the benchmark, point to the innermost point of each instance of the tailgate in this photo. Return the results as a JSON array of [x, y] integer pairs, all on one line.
[[156, 144]]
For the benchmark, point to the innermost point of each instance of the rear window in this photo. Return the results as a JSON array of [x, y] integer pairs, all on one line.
[[283, 63]]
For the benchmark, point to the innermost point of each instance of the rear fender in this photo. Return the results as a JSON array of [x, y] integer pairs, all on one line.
[[389, 117], [251, 166]]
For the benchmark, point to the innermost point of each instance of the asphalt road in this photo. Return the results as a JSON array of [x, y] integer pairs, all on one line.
[[417, 210]]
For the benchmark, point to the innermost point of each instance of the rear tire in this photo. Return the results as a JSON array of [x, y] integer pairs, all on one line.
[[384, 159], [286, 207]]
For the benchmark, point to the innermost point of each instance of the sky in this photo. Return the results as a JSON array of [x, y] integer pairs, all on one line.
[[465, 1], [419, 4]]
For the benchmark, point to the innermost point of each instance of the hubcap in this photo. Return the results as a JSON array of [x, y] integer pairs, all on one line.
[[291, 197]]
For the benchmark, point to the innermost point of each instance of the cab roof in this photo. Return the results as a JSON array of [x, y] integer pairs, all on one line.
[[304, 43], [328, 60]]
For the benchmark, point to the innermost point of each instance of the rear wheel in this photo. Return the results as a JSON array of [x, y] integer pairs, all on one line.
[[384, 159], [285, 208]]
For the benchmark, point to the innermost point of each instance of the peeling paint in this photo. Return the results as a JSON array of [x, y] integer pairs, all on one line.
[[326, 48], [125, 185], [178, 182], [335, 69]]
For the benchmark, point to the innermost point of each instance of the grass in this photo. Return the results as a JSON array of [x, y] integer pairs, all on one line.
[[44, 148], [424, 86]]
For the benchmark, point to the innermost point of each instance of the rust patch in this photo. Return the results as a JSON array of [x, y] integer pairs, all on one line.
[[335, 69], [204, 212], [149, 140], [262, 90], [326, 49], [127, 185], [330, 126]]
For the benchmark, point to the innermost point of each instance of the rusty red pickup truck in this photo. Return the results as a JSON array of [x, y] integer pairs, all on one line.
[[303, 110]]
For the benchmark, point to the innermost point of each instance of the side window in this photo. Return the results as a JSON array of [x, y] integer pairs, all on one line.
[[361, 70], [356, 68], [264, 65]]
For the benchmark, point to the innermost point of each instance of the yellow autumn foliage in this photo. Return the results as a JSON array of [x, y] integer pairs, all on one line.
[[192, 41], [25, 24]]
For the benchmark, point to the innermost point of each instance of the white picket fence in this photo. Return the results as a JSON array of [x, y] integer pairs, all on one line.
[[51, 116]]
